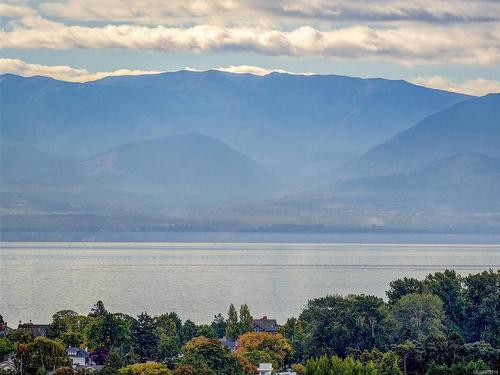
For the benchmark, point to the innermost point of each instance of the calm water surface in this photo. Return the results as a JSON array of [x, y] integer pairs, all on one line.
[[198, 280]]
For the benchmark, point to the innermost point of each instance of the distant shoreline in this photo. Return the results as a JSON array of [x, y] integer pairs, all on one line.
[[384, 238]]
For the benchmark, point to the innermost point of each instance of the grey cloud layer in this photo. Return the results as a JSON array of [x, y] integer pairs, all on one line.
[[148, 11]]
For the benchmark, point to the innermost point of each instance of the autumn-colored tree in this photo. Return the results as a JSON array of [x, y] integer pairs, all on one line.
[[256, 346], [42, 353]]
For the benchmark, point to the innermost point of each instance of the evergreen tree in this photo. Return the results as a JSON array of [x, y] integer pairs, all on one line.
[[144, 337], [245, 319], [232, 327], [219, 325]]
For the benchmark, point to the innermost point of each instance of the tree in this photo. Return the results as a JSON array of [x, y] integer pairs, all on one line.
[[43, 353], [418, 315], [447, 285], [401, 287], [264, 347], [335, 323], [145, 369], [232, 326], [482, 296], [98, 310], [188, 331], [6, 347], [114, 360], [144, 337], [208, 357], [246, 321], [294, 332], [168, 348], [205, 330], [219, 325], [72, 339], [107, 331]]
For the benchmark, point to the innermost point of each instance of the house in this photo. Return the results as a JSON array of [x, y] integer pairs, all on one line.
[[4, 329], [230, 344], [265, 325], [265, 369], [35, 329], [79, 357]]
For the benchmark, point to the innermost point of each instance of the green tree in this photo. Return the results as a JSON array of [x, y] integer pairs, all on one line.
[[401, 287], [205, 330], [144, 337], [219, 325], [447, 285], [246, 321], [482, 296], [294, 332], [98, 310], [169, 348], [418, 315], [188, 331], [107, 331], [6, 347], [232, 326]]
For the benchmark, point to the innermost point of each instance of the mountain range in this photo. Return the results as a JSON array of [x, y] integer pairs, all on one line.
[[260, 151]]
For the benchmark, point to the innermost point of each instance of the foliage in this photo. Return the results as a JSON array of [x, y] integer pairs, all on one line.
[[418, 315], [245, 319], [293, 330], [260, 347], [144, 337], [43, 353], [209, 357], [325, 365], [145, 369], [401, 287], [219, 326], [6, 347], [335, 323], [232, 326]]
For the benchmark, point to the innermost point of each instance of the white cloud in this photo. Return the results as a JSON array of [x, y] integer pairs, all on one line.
[[62, 72], [70, 74], [472, 87], [405, 44], [257, 70]]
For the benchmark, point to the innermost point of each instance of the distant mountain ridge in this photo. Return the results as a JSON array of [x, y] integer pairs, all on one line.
[[249, 152], [280, 120]]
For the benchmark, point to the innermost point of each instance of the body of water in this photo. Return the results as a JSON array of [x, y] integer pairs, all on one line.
[[198, 280]]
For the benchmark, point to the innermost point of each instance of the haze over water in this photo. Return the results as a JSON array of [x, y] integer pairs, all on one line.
[[198, 280]]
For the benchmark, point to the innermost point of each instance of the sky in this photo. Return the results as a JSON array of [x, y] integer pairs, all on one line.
[[447, 44]]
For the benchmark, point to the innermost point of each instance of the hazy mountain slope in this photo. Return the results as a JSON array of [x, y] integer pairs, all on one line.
[[183, 170], [472, 126], [279, 119], [469, 181]]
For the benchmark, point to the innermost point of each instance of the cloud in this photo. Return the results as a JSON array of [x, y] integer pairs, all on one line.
[[405, 44], [15, 10], [70, 74], [256, 70], [62, 72], [233, 11], [472, 87]]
